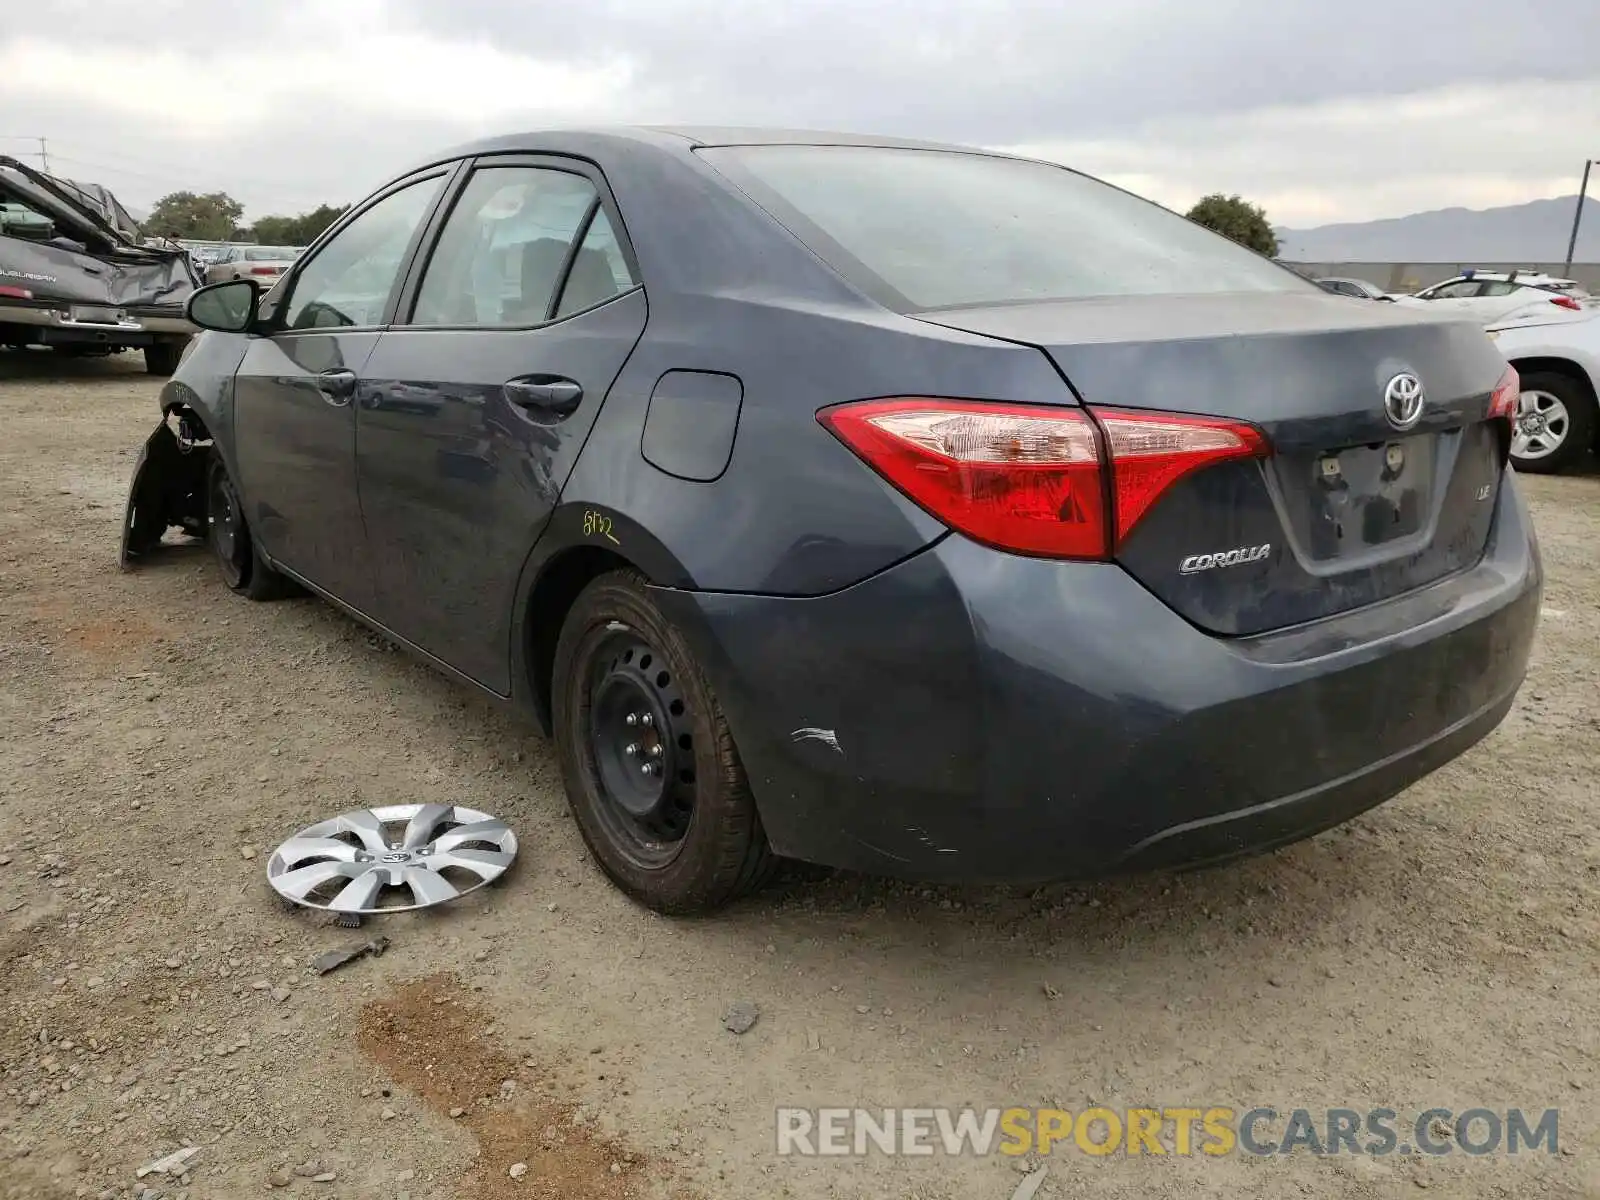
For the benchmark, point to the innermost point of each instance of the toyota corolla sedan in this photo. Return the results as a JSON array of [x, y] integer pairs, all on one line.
[[901, 507]]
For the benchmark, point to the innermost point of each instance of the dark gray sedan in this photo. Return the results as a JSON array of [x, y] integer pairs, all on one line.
[[895, 506]]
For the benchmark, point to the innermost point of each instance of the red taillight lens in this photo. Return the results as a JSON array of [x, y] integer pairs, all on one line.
[[1152, 451], [1031, 478], [1566, 302], [1018, 476], [16, 293], [265, 270], [1503, 402]]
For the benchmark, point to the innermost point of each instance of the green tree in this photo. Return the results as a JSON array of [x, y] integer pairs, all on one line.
[[296, 231], [1236, 218], [211, 217]]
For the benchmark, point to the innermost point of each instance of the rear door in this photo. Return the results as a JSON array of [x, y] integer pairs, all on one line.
[[476, 404], [294, 393], [1359, 501]]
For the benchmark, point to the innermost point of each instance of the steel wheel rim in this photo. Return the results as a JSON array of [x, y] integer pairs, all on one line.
[[227, 528], [392, 859], [1541, 426], [639, 747]]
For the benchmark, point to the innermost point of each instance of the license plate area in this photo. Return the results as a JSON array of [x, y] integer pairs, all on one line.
[[1349, 501], [91, 314]]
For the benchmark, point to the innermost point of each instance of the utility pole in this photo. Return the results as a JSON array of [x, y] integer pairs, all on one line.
[[44, 158], [1577, 216]]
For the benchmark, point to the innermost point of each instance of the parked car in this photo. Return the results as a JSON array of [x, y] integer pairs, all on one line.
[[1557, 355], [74, 279], [264, 263], [1488, 296], [747, 464], [1358, 289]]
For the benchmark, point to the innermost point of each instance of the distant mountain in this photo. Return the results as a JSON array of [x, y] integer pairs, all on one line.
[[1535, 232]]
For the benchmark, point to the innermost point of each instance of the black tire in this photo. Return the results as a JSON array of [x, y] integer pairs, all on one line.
[[1580, 420], [161, 358], [231, 544], [703, 844]]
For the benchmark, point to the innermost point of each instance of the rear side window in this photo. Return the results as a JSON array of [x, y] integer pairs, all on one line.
[[924, 229], [503, 255]]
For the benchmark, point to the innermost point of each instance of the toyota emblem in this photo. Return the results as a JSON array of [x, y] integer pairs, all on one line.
[[1402, 400]]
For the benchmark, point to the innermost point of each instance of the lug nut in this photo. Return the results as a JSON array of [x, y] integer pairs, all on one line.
[[647, 719], [631, 749], [655, 751], [631, 719], [648, 768]]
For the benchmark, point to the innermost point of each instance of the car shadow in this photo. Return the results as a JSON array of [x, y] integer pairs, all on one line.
[[47, 366]]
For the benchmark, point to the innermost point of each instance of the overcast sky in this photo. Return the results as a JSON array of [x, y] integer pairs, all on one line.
[[1322, 110]]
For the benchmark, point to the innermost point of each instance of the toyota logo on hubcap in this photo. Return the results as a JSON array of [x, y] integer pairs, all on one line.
[[1402, 400]]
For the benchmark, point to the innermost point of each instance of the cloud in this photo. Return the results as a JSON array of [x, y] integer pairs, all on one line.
[[1320, 111]]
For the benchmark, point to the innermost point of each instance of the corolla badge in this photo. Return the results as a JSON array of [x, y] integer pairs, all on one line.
[[1402, 400], [1224, 558]]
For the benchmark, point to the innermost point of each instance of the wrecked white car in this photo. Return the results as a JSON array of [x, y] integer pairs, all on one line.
[[74, 278]]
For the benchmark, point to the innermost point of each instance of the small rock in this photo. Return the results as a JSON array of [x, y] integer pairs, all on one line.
[[260, 985], [813, 1040], [388, 1114], [863, 1009], [458, 1111], [616, 1168], [279, 1179], [405, 1176], [1274, 981], [517, 1170], [247, 852], [1052, 992], [551, 907], [741, 1017], [325, 1177], [279, 994], [307, 1169], [173, 964]]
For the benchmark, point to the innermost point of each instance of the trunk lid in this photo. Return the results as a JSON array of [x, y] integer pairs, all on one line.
[[1349, 509]]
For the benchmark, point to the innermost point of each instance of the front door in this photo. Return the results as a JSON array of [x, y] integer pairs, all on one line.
[[473, 410], [296, 388]]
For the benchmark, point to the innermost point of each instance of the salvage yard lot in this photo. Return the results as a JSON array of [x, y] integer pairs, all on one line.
[[161, 735]]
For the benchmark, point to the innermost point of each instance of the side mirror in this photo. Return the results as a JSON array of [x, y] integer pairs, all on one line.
[[226, 307]]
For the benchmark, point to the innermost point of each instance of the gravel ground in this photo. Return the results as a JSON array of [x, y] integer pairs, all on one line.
[[161, 735]]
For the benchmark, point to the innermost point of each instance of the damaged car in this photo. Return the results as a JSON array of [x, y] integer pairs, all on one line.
[[907, 508], [74, 278]]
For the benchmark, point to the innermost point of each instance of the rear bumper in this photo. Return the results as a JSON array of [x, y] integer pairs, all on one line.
[[137, 326], [970, 715]]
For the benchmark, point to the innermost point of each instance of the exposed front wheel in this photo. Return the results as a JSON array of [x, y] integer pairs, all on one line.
[[1555, 422], [229, 537], [649, 764]]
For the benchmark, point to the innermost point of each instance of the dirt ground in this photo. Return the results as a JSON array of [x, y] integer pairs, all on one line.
[[159, 735]]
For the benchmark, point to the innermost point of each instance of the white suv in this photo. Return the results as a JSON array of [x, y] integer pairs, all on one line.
[[1557, 355], [1489, 296]]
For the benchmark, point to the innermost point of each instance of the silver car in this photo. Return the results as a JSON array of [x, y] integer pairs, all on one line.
[[262, 263]]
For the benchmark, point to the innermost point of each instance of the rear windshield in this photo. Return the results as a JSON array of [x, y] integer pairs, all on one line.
[[923, 229]]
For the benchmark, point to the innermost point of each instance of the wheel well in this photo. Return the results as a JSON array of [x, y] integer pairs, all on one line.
[[562, 579], [1566, 369]]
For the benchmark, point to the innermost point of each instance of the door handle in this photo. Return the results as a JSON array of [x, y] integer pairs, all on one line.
[[544, 395], [337, 386]]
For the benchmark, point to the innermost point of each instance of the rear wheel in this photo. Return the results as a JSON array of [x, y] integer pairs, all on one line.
[[229, 536], [649, 764], [161, 358], [1555, 422]]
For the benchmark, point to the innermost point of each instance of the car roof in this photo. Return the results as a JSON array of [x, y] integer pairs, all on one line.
[[681, 140]]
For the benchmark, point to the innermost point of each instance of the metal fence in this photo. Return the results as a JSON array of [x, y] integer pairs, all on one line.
[[1408, 277]]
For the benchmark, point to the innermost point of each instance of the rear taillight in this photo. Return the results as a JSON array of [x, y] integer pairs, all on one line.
[[1503, 401], [1031, 478], [1566, 302], [1152, 451], [16, 293], [265, 270]]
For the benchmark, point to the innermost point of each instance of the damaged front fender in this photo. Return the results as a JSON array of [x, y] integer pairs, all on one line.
[[169, 486]]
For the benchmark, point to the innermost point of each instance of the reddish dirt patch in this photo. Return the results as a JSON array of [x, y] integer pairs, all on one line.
[[104, 637], [428, 1035]]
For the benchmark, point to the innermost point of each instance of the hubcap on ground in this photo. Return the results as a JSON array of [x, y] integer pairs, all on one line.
[[392, 859], [1541, 425], [643, 750]]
